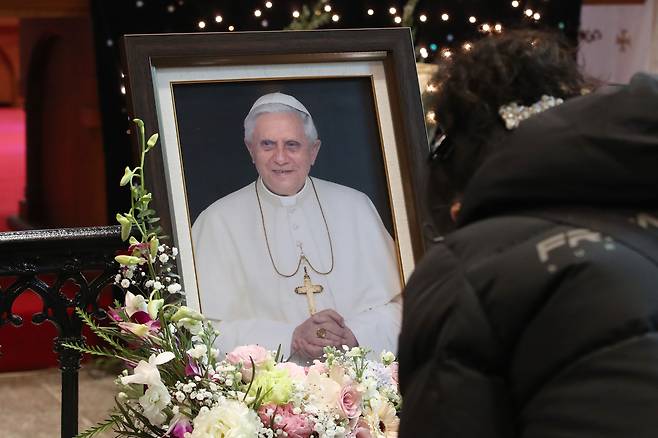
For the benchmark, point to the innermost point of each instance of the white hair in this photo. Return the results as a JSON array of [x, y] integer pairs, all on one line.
[[250, 121]]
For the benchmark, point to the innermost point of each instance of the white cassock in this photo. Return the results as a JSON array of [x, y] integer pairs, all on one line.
[[252, 304]]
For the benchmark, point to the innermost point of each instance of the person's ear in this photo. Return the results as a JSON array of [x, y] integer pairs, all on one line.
[[315, 148], [454, 210], [250, 149]]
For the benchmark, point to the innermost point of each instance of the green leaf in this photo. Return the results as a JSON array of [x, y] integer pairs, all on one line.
[[103, 426], [127, 176]]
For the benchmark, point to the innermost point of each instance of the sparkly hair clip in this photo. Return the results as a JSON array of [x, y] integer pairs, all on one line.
[[513, 113]]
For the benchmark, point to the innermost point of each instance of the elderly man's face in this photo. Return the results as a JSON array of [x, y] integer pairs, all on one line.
[[282, 153]]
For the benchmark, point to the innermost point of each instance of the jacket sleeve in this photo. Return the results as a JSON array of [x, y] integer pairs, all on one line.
[[451, 365]]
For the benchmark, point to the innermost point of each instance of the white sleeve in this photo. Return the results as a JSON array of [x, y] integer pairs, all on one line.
[[378, 325], [222, 286]]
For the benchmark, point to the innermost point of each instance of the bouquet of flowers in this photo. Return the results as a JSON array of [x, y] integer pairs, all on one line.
[[176, 384]]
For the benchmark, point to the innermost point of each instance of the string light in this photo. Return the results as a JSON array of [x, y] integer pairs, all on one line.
[[295, 14], [423, 18], [536, 16], [472, 19], [201, 24], [529, 12], [123, 89], [264, 23], [498, 27], [467, 46], [268, 5], [515, 4], [335, 17], [423, 52], [219, 19], [171, 8], [486, 27], [392, 11], [139, 3], [431, 117], [257, 13], [445, 17], [446, 53], [397, 19], [231, 28], [371, 12], [327, 8]]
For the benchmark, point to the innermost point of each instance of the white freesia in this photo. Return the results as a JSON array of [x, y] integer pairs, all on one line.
[[229, 418], [134, 303], [198, 351], [146, 373]]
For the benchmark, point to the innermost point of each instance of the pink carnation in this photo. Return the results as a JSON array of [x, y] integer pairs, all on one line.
[[295, 371], [349, 402], [244, 355], [295, 425]]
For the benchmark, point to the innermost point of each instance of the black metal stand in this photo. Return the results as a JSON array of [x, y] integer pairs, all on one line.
[[69, 256]]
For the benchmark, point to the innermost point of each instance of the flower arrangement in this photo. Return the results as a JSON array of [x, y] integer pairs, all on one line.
[[175, 384]]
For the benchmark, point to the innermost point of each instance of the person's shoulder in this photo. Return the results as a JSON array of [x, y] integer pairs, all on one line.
[[228, 203], [339, 192]]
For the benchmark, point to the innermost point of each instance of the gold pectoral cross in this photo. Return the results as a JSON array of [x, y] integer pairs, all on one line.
[[309, 289]]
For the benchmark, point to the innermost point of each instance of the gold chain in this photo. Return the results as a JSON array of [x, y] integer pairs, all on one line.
[[302, 256]]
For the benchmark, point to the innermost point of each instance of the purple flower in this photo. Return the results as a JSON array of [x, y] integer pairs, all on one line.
[[179, 427], [192, 368]]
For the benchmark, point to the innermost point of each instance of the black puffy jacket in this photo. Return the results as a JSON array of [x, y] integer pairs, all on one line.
[[538, 317]]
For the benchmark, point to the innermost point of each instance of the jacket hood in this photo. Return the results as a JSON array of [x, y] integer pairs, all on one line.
[[598, 150]]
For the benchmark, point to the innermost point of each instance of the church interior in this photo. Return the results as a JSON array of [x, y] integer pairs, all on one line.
[[66, 135]]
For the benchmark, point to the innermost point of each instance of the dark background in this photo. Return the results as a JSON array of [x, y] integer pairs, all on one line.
[[114, 18], [210, 120]]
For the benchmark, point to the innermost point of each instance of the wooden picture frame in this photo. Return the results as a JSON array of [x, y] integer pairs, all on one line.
[[158, 66]]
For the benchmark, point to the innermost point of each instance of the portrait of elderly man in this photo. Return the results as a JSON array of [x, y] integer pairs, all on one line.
[[292, 260]]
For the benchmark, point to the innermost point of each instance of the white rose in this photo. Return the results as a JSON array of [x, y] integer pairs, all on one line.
[[229, 418]]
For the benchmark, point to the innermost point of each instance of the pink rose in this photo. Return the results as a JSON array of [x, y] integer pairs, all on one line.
[[394, 372], [295, 371], [361, 430], [295, 425], [244, 355], [349, 402]]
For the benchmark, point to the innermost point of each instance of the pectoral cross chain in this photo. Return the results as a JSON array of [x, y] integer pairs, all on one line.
[[309, 289]]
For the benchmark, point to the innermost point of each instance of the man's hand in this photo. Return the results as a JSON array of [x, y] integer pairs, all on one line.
[[323, 329]]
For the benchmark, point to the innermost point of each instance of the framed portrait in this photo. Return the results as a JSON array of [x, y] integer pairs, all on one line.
[[360, 86]]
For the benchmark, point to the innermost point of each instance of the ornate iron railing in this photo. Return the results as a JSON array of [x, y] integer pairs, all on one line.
[[84, 256]]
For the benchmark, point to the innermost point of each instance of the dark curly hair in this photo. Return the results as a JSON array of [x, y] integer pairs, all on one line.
[[517, 66]]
